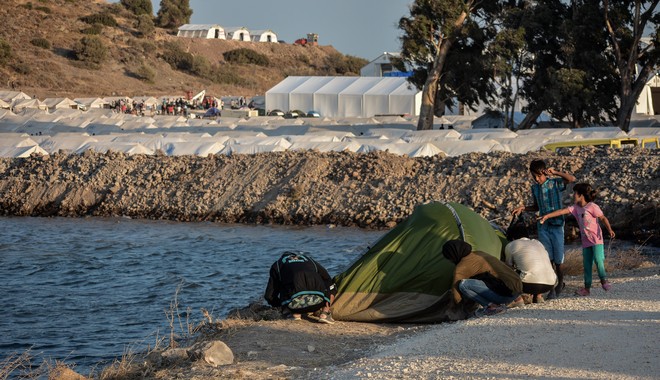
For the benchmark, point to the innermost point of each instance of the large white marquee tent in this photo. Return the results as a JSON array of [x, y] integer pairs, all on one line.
[[340, 97]]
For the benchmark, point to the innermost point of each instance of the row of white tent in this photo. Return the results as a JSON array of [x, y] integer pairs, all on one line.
[[18, 102], [399, 141]]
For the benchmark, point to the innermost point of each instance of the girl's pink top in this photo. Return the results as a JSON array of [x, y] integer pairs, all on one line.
[[587, 218]]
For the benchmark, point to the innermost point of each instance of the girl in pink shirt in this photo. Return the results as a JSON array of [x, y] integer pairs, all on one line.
[[587, 214]]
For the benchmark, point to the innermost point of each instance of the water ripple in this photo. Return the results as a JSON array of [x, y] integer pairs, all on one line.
[[82, 290]]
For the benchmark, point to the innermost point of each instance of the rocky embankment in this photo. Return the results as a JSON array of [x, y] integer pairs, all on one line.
[[374, 190]]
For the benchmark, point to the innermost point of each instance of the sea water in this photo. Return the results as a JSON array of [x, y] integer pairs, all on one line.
[[84, 291]]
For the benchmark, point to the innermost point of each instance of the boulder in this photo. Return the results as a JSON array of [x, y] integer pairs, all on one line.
[[214, 353]]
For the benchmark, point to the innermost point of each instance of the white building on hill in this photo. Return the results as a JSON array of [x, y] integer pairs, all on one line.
[[238, 33], [263, 36], [208, 31], [381, 66]]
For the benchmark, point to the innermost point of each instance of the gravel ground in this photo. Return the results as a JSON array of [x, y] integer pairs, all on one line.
[[610, 335]]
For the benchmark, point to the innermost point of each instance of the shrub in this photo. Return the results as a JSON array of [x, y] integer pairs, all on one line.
[[138, 7], [27, 5], [93, 30], [177, 58], [41, 42], [44, 9], [5, 52], [246, 56], [100, 18], [145, 73], [90, 49], [145, 24], [21, 67]]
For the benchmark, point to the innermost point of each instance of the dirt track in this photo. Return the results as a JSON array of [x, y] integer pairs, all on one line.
[[374, 190]]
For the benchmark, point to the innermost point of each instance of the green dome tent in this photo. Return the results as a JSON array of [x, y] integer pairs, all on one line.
[[404, 277]]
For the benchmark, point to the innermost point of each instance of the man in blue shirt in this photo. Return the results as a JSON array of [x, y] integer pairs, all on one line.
[[547, 195]]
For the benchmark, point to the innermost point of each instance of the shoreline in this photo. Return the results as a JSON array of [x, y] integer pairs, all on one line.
[[570, 337], [375, 190]]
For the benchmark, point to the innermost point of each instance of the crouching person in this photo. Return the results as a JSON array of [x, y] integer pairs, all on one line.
[[300, 285], [529, 258], [481, 278]]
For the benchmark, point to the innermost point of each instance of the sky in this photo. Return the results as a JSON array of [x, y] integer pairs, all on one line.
[[362, 28]]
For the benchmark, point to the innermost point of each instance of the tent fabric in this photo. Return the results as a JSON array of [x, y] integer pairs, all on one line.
[[21, 152], [345, 96], [404, 277]]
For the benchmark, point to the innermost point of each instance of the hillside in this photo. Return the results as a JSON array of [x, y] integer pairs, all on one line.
[[54, 71]]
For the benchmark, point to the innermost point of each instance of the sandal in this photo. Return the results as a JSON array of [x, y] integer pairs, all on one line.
[[326, 317]]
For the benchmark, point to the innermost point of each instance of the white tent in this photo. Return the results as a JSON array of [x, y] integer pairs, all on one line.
[[12, 96], [90, 103], [60, 103], [103, 147], [544, 132], [458, 147], [410, 150], [486, 134], [66, 142], [4, 105], [275, 140], [16, 140], [263, 36], [523, 144], [21, 152], [345, 96], [431, 135], [148, 101], [237, 33], [201, 31], [352, 98], [327, 146], [644, 131], [250, 149], [302, 97], [196, 148], [277, 98], [22, 104], [599, 133]]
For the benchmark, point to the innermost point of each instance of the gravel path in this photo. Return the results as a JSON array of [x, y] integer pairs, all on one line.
[[611, 335]]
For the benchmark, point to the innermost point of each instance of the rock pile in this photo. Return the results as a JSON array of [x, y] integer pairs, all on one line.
[[374, 190]]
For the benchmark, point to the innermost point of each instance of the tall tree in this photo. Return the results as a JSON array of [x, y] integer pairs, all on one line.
[[636, 62], [510, 59], [429, 34], [174, 13]]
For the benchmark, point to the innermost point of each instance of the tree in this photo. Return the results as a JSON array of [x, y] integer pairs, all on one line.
[[90, 49], [145, 25], [636, 62], [430, 33], [138, 7], [174, 13]]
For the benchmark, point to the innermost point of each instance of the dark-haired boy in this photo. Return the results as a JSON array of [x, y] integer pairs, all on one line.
[[547, 195]]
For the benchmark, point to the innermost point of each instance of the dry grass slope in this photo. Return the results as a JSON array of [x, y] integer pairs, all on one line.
[[54, 71]]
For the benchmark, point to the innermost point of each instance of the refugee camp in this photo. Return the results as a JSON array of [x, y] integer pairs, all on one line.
[[336, 190]]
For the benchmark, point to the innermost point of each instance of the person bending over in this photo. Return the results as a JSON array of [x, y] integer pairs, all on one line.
[[481, 278], [299, 284], [530, 260]]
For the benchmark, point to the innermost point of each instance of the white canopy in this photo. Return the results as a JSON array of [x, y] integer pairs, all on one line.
[[345, 96]]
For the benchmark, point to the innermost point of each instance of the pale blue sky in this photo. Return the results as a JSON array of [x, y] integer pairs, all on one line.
[[363, 28]]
